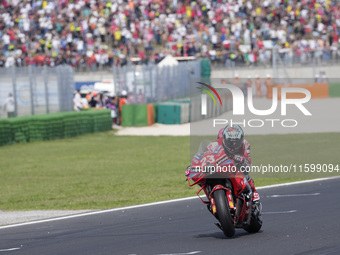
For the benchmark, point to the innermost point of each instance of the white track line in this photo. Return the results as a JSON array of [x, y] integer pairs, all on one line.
[[298, 182], [295, 195], [151, 204], [188, 253], [97, 212], [10, 249], [292, 211]]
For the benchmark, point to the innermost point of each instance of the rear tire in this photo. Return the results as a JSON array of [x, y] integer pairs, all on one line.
[[223, 212]]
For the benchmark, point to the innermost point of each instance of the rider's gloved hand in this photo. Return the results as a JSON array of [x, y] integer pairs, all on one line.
[[239, 159], [240, 162]]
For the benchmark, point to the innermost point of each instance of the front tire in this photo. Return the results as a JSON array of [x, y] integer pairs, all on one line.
[[223, 212]]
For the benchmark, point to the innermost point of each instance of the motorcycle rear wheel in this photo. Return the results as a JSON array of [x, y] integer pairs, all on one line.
[[223, 212]]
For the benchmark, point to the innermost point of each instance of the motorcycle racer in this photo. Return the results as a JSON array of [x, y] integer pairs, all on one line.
[[230, 144]]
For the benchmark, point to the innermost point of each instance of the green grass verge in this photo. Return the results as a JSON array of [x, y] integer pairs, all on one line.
[[101, 170]]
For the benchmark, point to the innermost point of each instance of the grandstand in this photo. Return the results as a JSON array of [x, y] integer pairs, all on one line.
[[97, 34]]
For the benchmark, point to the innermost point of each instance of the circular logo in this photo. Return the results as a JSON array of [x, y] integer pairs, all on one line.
[[24, 94]]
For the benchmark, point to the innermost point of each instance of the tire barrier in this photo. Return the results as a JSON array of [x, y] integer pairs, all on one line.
[[151, 114], [177, 111], [334, 89], [205, 69], [169, 113], [138, 115], [173, 112], [53, 126]]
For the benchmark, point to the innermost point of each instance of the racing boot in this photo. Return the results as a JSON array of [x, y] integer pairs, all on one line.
[[256, 196], [257, 206]]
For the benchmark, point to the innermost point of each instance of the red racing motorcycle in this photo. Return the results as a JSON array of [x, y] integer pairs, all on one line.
[[228, 194]]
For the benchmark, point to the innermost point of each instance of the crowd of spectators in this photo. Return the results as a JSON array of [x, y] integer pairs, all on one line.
[[90, 34]]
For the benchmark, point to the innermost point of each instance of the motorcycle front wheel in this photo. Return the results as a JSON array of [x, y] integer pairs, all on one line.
[[223, 212]]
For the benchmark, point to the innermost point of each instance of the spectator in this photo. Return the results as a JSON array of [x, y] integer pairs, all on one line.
[[268, 82], [140, 97], [66, 30], [249, 84], [93, 102], [323, 77], [9, 106], [122, 101], [77, 102], [237, 82], [131, 98], [100, 101], [316, 78], [112, 105], [258, 86]]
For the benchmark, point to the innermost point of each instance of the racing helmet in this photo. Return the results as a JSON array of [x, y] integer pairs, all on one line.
[[233, 137]]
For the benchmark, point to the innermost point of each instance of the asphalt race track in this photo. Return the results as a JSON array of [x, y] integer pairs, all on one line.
[[298, 219]]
